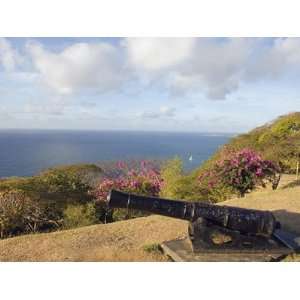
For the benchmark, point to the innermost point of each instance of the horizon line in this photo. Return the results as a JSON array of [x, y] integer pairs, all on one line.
[[118, 130]]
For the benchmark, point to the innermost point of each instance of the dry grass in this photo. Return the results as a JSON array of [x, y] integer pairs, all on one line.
[[284, 203], [120, 241], [127, 240]]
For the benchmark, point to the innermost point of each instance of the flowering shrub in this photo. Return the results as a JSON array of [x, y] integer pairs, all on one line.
[[242, 171], [144, 180]]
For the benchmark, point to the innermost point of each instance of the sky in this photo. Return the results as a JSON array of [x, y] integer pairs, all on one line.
[[155, 84]]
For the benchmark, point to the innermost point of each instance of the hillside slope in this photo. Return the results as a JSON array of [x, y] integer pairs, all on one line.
[[278, 141]]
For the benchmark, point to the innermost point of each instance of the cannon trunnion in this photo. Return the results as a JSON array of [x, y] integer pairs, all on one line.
[[212, 228]]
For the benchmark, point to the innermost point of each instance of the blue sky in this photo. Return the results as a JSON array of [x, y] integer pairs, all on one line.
[[166, 84]]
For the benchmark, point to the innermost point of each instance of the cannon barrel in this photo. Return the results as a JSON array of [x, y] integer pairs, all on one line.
[[247, 221]]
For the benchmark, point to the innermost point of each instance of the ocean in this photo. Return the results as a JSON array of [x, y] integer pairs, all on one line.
[[26, 152]]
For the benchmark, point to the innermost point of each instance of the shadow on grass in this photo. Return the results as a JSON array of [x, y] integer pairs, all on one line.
[[291, 184]]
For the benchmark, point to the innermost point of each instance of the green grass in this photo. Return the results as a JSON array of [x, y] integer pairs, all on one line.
[[150, 248]]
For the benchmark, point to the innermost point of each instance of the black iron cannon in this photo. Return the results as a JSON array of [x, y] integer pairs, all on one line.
[[211, 226]]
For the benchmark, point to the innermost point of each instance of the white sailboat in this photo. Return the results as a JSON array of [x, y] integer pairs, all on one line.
[[191, 158]]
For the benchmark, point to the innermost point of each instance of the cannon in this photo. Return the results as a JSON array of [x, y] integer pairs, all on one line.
[[211, 227]]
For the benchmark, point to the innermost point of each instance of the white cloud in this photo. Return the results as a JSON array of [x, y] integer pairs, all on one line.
[[5, 114], [163, 112], [281, 57], [9, 57], [51, 106], [287, 51], [96, 66], [178, 66], [89, 104], [88, 114], [44, 109], [167, 111], [154, 54], [214, 67], [184, 65]]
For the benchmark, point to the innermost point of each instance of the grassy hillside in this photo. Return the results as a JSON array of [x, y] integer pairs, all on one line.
[[278, 141], [50, 177], [131, 240]]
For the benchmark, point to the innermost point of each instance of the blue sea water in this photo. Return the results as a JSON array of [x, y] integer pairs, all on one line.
[[26, 152]]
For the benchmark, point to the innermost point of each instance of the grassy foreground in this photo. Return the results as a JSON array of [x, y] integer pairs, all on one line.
[[131, 240], [120, 241]]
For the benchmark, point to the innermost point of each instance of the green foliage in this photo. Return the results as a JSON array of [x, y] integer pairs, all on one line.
[[79, 215], [88, 173], [218, 193], [58, 183], [26, 184], [52, 191], [61, 181], [172, 175], [78, 169], [287, 125], [177, 185]]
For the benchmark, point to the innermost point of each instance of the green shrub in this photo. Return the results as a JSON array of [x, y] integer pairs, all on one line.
[[79, 215], [88, 174], [61, 181]]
